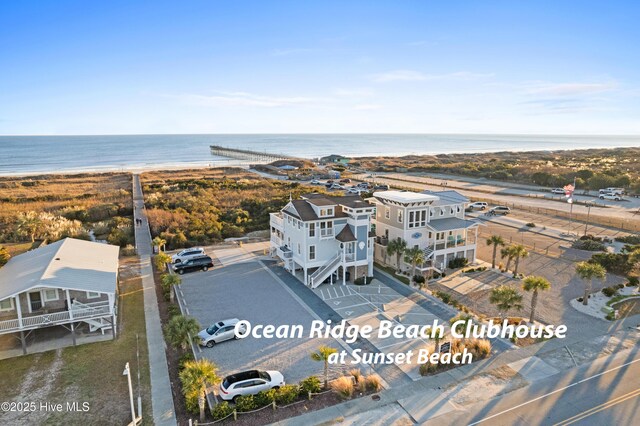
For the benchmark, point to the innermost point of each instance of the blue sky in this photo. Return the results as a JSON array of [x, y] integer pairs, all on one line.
[[126, 67]]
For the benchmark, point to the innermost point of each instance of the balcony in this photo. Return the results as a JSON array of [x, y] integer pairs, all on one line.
[[86, 311], [275, 240], [277, 221], [349, 257], [285, 252]]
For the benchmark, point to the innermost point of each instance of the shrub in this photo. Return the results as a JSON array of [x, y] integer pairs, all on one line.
[[310, 384], [418, 279], [245, 403], [461, 317], [632, 281], [436, 275], [343, 386], [444, 274], [458, 262], [609, 291], [428, 368], [373, 383], [615, 263], [188, 356], [221, 410], [620, 286], [173, 310], [531, 225], [264, 398], [129, 250], [363, 280], [589, 245], [286, 394], [629, 239], [479, 348], [580, 299], [356, 374]]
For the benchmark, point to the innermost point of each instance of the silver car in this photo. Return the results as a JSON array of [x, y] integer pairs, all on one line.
[[187, 254], [219, 332]]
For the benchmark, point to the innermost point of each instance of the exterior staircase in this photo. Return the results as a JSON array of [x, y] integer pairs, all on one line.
[[325, 270], [95, 324], [428, 252]]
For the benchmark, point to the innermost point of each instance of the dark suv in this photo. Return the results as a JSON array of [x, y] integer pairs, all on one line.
[[194, 264]]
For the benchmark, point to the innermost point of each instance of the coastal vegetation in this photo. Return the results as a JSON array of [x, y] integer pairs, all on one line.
[[52, 207], [193, 207], [592, 168]]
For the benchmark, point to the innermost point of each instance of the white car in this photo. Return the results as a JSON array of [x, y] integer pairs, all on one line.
[[337, 186], [610, 196], [316, 182], [502, 210], [187, 254], [478, 205], [219, 332], [354, 190], [557, 191], [249, 383], [611, 191]]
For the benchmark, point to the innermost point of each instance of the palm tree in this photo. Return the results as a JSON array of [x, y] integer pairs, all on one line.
[[495, 241], [439, 335], [29, 224], [160, 243], [196, 377], [4, 256], [414, 256], [535, 284], [161, 259], [507, 252], [322, 354], [179, 331], [587, 272], [519, 252], [506, 298], [397, 247], [168, 281]]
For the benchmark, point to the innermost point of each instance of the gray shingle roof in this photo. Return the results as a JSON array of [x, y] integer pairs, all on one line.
[[450, 223], [69, 263], [447, 197], [346, 235]]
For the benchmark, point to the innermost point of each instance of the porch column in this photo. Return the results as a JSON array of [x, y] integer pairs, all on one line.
[[475, 243], [306, 281], [24, 343], [112, 311], [18, 309], [344, 266], [66, 292], [73, 334]]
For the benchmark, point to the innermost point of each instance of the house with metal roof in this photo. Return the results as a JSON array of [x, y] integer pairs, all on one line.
[[431, 220], [320, 235], [70, 283]]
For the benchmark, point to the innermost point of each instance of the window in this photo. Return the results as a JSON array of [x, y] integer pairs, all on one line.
[[312, 230], [417, 218], [431, 212], [330, 212], [451, 210], [326, 229], [6, 304], [399, 216], [50, 294], [387, 213], [458, 209], [441, 212], [312, 252], [92, 295], [299, 249]]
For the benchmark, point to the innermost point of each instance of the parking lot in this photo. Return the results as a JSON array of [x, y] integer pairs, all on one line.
[[370, 304], [246, 290]]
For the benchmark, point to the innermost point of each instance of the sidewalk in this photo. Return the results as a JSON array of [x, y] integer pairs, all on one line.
[[161, 396]]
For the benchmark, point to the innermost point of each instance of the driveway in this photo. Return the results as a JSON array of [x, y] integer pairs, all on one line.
[[247, 291]]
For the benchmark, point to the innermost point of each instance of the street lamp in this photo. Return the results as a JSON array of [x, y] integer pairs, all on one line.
[[127, 373], [588, 213]]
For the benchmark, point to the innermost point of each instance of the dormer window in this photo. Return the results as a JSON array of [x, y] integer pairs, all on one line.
[[328, 212]]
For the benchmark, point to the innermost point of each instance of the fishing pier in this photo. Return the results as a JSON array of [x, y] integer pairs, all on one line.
[[247, 155]]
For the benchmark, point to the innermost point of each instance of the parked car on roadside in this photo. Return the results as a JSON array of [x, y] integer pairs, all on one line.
[[345, 180], [316, 182], [501, 210], [218, 332], [612, 191], [354, 190], [381, 187], [478, 205], [194, 264], [610, 196], [249, 383], [187, 254], [557, 191], [337, 186], [365, 185]]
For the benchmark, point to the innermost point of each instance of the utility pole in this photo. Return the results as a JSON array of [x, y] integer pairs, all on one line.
[[570, 200], [588, 213], [127, 372]]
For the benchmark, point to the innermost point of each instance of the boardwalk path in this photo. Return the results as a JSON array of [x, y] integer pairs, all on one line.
[[161, 397]]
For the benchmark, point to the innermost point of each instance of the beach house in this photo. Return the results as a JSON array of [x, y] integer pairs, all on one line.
[[321, 237], [433, 221], [62, 291]]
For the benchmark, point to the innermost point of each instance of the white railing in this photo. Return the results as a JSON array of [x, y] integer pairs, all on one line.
[[276, 220], [325, 270], [349, 257], [92, 310]]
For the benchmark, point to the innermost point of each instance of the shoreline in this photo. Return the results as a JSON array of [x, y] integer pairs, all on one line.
[[230, 162]]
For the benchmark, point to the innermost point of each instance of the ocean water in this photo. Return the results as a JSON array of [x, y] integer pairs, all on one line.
[[50, 154]]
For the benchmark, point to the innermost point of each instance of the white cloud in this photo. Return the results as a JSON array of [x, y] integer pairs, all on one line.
[[412, 75], [570, 89]]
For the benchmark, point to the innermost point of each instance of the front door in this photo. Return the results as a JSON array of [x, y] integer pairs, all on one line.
[[35, 300]]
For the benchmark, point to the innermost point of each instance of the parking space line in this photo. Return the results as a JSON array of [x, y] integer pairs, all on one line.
[[351, 306], [336, 291]]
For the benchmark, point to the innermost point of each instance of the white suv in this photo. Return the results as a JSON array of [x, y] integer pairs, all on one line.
[[187, 254], [249, 383], [478, 205], [610, 196]]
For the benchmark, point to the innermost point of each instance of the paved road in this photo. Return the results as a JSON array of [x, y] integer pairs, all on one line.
[[161, 397], [606, 392]]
